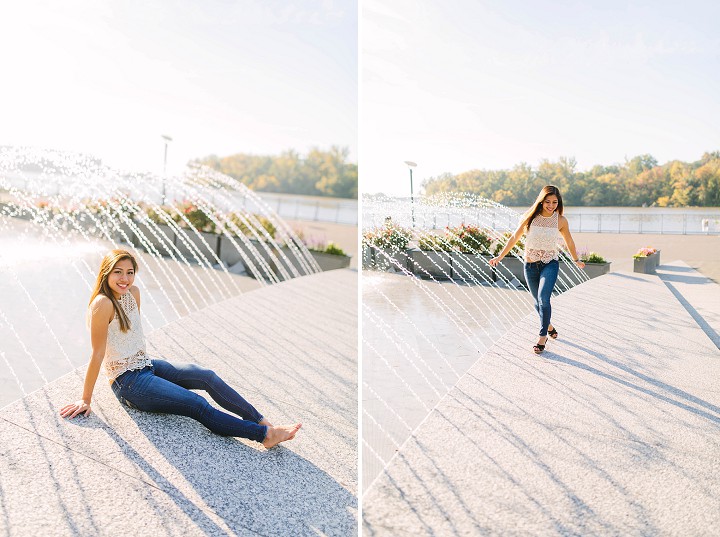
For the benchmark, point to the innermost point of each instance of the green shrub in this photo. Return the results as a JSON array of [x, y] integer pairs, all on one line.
[[333, 249], [594, 258], [469, 239], [266, 224], [198, 218], [388, 237], [434, 243], [502, 241], [156, 217]]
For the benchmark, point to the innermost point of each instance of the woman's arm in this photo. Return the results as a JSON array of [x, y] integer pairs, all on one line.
[[564, 228], [101, 312], [510, 243]]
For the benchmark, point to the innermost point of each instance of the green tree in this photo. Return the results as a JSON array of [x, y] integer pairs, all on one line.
[[638, 181], [320, 173]]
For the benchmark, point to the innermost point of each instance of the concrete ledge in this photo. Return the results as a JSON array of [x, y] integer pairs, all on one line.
[[615, 430], [290, 349]]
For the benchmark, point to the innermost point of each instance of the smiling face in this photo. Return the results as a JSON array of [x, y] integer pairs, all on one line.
[[121, 277], [550, 204]]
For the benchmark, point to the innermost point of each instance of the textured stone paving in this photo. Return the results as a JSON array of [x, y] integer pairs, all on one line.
[[614, 430], [414, 352], [698, 294], [290, 349]]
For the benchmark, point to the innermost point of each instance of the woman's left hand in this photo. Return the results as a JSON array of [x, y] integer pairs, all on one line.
[[580, 264], [73, 409]]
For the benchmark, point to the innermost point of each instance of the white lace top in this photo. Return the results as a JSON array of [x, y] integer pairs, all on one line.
[[125, 350], [541, 243]]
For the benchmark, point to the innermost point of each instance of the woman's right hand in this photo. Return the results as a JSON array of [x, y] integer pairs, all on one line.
[[73, 409], [495, 261]]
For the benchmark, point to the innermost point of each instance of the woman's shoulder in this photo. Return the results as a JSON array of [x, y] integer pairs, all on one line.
[[101, 302], [102, 305], [135, 290]]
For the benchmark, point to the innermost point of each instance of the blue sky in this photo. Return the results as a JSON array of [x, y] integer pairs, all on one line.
[[457, 85], [109, 77]]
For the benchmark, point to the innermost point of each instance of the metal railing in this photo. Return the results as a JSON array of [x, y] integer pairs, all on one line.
[[660, 224]]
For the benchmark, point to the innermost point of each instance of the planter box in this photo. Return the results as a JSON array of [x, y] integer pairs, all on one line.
[[509, 268], [472, 268], [162, 243], [437, 265], [593, 270], [255, 251], [368, 257], [302, 266], [331, 261], [86, 225], [208, 251], [568, 279], [128, 238], [646, 265], [229, 253], [392, 260]]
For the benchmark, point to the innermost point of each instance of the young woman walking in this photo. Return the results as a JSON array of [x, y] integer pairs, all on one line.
[[541, 223], [155, 385]]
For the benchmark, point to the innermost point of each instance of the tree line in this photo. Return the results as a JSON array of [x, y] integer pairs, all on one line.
[[637, 182], [319, 173]]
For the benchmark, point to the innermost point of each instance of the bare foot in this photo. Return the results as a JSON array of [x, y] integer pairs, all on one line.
[[264, 421], [275, 435]]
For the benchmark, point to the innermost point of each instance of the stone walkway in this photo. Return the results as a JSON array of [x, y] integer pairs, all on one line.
[[290, 349], [614, 430]]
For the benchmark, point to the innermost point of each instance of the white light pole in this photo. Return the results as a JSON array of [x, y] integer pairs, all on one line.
[[167, 139], [410, 164]]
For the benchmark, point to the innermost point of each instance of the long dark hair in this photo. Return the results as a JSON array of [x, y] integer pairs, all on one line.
[[536, 208]]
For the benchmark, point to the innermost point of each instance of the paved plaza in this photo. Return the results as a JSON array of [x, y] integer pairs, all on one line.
[[614, 430], [419, 338]]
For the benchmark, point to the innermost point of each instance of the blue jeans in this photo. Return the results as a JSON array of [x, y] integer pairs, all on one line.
[[165, 387], [541, 278]]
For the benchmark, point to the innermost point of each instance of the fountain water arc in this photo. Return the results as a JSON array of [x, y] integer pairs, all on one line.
[[55, 200], [432, 306]]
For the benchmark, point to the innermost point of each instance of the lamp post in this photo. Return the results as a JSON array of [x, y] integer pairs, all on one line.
[[410, 164], [167, 139]]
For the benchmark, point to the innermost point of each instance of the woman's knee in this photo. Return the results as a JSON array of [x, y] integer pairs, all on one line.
[[200, 372], [207, 377]]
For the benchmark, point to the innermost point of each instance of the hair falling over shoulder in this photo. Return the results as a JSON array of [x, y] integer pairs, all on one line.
[[536, 208], [101, 284]]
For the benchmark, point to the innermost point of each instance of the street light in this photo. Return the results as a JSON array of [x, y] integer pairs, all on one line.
[[167, 139], [410, 164]]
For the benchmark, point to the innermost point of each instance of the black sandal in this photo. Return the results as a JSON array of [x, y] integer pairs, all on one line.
[[553, 333], [538, 348]]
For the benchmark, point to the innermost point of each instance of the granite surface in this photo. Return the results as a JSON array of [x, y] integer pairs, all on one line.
[[614, 430], [290, 349], [698, 294], [419, 338]]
